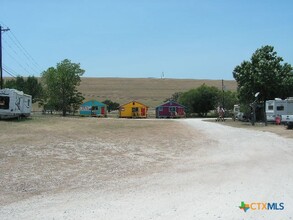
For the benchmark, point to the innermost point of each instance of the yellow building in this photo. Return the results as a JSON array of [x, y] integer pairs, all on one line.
[[133, 110]]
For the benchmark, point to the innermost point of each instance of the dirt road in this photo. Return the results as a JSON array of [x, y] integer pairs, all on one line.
[[199, 170]]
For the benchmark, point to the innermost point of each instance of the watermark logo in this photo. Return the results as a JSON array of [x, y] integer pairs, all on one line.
[[261, 206], [244, 206]]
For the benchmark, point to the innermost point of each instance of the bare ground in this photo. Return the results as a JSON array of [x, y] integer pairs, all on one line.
[[47, 155]]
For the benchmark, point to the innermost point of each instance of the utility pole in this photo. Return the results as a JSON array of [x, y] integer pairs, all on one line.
[[223, 94], [1, 70]]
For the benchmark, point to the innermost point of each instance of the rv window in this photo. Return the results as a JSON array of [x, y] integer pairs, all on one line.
[[280, 108], [270, 107], [4, 102]]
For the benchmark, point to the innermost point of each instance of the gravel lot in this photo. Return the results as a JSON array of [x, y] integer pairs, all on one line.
[[87, 168]]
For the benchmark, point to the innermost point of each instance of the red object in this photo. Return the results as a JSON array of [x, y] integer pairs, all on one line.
[[278, 120], [142, 111], [170, 109]]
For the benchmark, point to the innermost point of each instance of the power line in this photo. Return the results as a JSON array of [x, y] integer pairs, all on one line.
[[26, 53], [29, 61], [10, 70], [19, 64], [9, 73], [14, 51]]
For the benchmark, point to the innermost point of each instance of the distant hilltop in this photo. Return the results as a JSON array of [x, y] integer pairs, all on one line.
[[151, 91]]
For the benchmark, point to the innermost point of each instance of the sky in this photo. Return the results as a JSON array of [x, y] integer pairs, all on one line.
[[188, 39]]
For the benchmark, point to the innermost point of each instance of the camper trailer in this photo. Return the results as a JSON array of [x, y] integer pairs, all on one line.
[[238, 115], [14, 104], [278, 107]]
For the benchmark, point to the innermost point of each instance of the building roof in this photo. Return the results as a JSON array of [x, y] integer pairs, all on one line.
[[171, 103], [135, 102], [93, 103]]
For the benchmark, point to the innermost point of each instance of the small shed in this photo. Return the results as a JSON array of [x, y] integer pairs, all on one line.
[[170, 109], [93, 108], [133, 109]]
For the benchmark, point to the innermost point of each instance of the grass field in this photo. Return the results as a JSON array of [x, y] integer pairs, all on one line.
[[150, 91], [55, 154]]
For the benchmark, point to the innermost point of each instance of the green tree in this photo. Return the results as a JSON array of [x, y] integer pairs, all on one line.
[[34, 88], [201, 100], [111, 105], [264, 73], [20, 83], [30, 86], [60, 86], [230, 99], [11, 84], [174, 97], [17, 83]]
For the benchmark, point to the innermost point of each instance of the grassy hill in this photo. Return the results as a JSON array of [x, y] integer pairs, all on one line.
[[150, 91]]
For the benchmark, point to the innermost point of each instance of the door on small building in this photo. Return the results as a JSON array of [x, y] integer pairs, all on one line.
[[135, 112], [172, 111], [94, 110], [143, 112], [103, 110], [180, 111]]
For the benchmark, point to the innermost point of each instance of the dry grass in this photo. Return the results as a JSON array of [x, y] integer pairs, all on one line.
[[53, 154], [150, 91]]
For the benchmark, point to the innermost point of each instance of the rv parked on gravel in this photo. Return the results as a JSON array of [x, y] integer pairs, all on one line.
[[14, 104], [287, 120], [278, 107]]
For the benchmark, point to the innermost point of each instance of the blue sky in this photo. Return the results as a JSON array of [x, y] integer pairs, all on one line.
[[142, 38]]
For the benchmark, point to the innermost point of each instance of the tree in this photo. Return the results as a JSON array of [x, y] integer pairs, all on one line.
[[174, 97], [34, 88], [30, 86], [201, 100], [111, 105], [230, 99], [264, 73], [60, 86]]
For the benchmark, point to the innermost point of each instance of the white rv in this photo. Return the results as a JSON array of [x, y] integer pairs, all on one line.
[[14, 104], [278, 107]]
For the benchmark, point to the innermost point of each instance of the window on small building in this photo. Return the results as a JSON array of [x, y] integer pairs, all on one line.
[[4, 102], [270, 107], [172, 109], [161, 108], [280, 108], [135, 109]]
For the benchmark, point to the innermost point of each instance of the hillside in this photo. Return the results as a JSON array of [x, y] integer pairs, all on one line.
[[151, 91]]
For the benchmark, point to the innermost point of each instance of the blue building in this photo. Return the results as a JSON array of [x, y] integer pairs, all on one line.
[[93, 108]]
